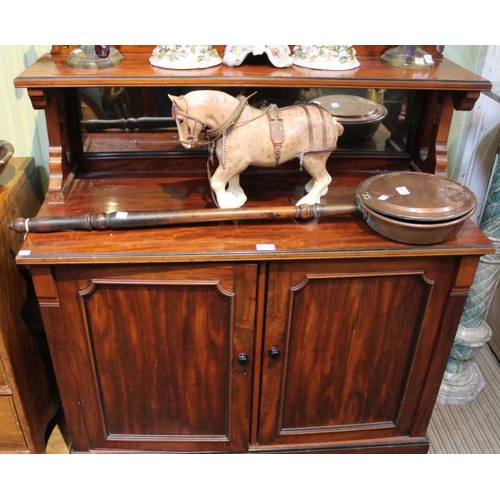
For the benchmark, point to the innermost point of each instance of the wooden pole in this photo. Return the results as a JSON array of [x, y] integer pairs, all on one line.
[[137, 220]]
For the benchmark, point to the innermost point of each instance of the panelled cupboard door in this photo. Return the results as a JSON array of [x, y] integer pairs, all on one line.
[[348, 347], [155, 352]]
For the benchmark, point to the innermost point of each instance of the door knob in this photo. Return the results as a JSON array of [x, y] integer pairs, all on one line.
[[274, 352], [243, 359]]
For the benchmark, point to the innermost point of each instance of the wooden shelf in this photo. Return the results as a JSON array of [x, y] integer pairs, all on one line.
[[52, 71], [337, 237]]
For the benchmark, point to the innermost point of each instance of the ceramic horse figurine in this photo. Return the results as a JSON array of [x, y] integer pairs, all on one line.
[[242, 135]]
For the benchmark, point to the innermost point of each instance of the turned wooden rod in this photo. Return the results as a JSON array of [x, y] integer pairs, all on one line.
[[135, 220]]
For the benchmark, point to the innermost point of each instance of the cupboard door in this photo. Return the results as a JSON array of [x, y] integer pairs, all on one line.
[[347, 348], [156, 354]]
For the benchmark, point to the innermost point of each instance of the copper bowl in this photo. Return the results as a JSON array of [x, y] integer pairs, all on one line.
[[6, 152], [413, 207], [416, 233], [360, 117]]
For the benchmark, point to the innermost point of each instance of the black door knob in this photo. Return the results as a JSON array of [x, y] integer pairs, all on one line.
[[274, 352], [243, 359]]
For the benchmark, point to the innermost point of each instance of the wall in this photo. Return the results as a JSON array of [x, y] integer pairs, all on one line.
[[20, 124], [475, 134], [466, 56]]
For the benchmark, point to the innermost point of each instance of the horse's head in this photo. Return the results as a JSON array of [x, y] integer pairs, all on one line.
[[188, 126]]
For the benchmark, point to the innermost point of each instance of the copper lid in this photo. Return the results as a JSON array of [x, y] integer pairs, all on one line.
[[351, 108], [6, 153], [416, 196]]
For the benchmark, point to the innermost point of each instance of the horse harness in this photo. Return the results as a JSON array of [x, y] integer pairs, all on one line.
[[276, 129], [212, 134]]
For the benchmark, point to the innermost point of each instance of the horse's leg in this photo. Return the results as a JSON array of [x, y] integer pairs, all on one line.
[[315, 165], [226, 198], [234, 187], [308, 187]]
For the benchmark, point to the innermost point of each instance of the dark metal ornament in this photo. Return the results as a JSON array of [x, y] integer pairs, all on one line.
[[102, 51], [407, 56], [94, 56]]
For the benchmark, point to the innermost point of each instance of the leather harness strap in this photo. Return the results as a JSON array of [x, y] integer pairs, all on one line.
[[214, 134], [277, 131], [309, 126], [309, 123]]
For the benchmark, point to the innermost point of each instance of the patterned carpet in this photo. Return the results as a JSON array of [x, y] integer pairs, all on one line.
[[472, 428]]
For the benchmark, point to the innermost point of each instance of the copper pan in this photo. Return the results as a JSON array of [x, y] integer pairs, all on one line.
[[415, 208], [6, 153], [416, 233]]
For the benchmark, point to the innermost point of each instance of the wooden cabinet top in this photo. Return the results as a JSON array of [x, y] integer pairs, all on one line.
[[346, 236], [51, 70]]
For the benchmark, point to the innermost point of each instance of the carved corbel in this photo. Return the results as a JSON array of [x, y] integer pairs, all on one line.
[[442, 135], [464, 101], [38, 99]]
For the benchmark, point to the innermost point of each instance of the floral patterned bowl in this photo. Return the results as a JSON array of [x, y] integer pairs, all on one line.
[[184, 56], [279, 55], [330, 57]]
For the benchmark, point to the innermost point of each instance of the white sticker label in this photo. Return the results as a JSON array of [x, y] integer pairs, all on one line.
[[420, 61], [265, 246], [383, 197], [335, 105], [402, 190], [24, 252], [121, 215], [428, 59]]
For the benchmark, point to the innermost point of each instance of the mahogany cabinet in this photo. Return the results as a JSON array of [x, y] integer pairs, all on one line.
[[243, 336], [255, 354]]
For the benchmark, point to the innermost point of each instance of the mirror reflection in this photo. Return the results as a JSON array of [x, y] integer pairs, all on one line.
[[134, 120]]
